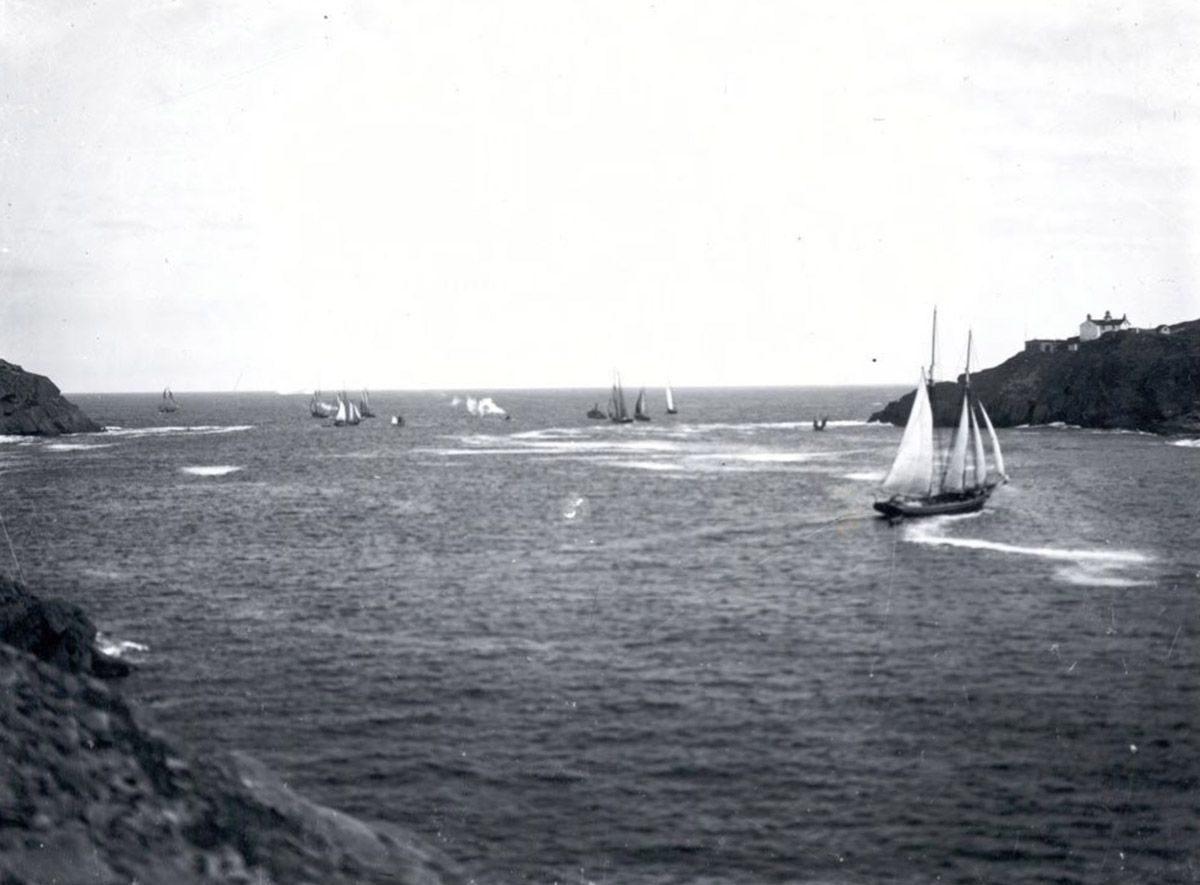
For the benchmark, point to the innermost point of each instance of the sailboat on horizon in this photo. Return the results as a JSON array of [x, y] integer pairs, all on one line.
[[640, 411], [671, 410], [927, 479], [347, 414], [364, 405], [168, 403], [319, 409], [617, 412]]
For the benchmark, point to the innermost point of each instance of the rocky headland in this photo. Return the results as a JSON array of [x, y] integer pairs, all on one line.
[[1130, 380], [32, 404], [92, 794]]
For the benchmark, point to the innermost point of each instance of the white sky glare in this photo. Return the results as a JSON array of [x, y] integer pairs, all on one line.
[[463, 194]]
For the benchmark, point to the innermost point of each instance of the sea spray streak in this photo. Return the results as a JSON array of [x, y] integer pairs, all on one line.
[[929, 532]]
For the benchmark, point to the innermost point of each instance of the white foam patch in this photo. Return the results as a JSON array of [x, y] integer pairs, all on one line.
[[76, 447], [1097, 575], [657, 466], [1187, 443], [865, 476], [214, 470], [118, 648]]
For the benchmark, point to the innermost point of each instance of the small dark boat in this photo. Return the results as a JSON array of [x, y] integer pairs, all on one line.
[[820, 425], [596, 413]]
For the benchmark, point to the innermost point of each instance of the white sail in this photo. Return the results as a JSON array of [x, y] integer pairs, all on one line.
[[341, 416], [639, 407], [980, 461], [353, 414], [619, 395], [670, 399], [912, 471], [995, 443], [954, 479]]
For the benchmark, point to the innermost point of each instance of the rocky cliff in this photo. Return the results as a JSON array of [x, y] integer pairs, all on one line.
[[31, 404], [1127, 380], [91, 793]]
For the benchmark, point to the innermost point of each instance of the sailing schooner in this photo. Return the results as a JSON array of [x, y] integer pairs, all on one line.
[[963, 483]]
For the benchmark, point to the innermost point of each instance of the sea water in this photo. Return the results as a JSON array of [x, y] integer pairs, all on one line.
[[677, 651]]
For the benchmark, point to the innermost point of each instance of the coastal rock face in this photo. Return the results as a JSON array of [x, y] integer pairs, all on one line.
[[31, 404], [1124, 380], [54, 631], [90, 793]]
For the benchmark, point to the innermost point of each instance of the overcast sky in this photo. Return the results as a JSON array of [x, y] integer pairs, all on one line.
[[288, 195]]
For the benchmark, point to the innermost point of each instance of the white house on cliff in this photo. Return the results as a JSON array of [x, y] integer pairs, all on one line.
[[1090, 329]]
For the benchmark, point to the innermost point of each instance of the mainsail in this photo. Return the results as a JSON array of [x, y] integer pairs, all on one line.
[[912, 471], [954, 478], [670, 401]]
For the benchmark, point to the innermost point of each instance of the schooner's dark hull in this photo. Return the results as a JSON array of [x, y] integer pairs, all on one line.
[[939, 505]]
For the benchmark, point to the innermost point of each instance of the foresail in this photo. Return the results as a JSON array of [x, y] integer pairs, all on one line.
[[912, 471], [997, 458], [954, 479]]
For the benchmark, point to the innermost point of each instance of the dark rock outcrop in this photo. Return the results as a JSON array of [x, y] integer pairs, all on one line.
[[1124, 380], [55, 631], [91, 793], [32, 404]]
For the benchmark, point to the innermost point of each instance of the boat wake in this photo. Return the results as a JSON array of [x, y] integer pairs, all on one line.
[[214, 470], [175, 429], [1090, 568]]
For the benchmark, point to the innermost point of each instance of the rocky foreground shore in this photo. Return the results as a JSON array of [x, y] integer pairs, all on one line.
[[1124, 380], [92, 794], [32, 404]]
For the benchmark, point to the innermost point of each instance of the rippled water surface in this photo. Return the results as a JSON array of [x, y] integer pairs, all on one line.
[[681, 651]]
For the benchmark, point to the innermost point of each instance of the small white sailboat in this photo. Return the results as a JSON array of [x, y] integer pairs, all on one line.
[[671, 410], [168, 403], [927, 479]]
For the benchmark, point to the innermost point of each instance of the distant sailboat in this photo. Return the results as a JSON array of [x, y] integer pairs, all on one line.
[[640, 412], [617, 412], [671, 410], [820, 425], [595, 413], [319, 409], [364, 405], [168, 403], [963, 484], [347, 412]]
